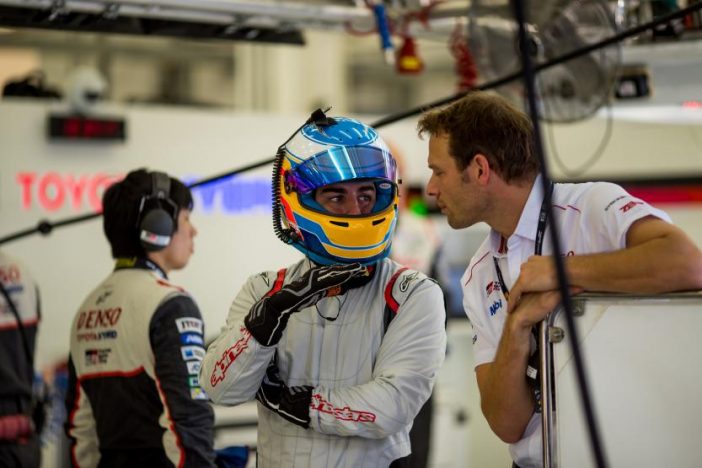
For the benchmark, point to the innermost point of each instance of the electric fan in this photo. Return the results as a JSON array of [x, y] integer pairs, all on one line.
[[567, 92]]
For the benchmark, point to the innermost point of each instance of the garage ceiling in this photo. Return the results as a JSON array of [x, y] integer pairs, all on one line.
[[275, 21]]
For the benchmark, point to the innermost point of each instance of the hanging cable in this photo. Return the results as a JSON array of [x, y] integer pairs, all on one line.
[[590, 160], [529, 78]]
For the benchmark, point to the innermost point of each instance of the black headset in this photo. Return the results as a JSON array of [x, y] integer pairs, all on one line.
[[158, 214]]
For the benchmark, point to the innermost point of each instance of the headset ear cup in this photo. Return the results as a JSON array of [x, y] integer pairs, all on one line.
[[156, 230]]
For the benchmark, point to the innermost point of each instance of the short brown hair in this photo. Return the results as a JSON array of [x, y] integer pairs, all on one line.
[[485, 123]]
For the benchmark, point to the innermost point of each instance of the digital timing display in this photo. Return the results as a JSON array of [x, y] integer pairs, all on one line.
[[77, 127]]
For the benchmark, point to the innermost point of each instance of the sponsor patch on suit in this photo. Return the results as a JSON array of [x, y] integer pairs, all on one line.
[[97, 356], [198, 393], [191, 339], [193, 367], [192, 352], [189, 325]]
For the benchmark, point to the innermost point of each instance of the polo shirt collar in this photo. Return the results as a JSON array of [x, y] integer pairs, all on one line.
[[528, 221]]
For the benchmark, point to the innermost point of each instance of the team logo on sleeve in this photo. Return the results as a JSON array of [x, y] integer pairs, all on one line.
[[191, 339], [229, 356], [197, 393], [193, 367], [629, 206], [192, 353], [404, 284], [189, 325]]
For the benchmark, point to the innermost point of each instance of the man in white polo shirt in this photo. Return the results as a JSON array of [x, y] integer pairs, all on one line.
[[484, 169]]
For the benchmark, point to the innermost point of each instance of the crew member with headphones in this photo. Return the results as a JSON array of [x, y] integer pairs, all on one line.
[[137, 340]]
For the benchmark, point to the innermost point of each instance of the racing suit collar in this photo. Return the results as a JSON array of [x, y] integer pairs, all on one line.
[[140, 263]]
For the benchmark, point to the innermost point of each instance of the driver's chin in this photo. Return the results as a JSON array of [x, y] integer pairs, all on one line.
[[455, 223]]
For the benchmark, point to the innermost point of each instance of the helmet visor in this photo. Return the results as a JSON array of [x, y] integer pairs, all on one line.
[[342, 164]]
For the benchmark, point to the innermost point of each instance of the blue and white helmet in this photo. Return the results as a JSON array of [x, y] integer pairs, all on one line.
[[342, 150]]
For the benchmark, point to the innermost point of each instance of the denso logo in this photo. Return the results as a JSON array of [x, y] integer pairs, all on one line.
[[497, 305], [99, 318]]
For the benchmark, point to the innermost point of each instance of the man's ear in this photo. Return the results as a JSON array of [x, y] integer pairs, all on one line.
[[479, 169]]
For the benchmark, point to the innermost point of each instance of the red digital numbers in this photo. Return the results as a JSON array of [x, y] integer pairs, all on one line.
[[76, 127]]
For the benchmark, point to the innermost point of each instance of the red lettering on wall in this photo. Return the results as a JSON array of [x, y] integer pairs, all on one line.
[[99, 181], [76, 188], [53, 191], [51, 198], [26, 179]]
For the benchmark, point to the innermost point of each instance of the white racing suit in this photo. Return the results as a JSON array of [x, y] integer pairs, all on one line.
[[134, 398], [372, 362]]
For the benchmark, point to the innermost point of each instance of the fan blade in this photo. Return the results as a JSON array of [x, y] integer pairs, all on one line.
[[569, 91], [577, 88]]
